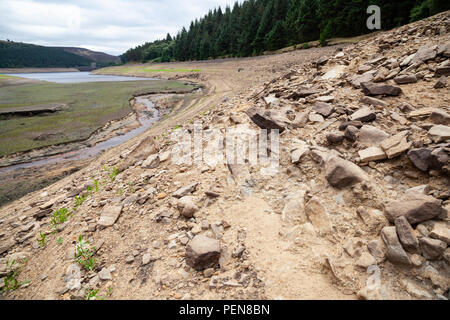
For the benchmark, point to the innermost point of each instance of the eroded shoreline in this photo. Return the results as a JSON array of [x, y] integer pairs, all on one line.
[[29, 171]]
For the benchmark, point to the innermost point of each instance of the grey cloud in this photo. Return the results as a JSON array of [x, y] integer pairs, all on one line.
[[112, 26]]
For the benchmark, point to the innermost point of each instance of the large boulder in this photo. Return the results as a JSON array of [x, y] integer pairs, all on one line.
[[341, 173], [202, 253], [415, 207]]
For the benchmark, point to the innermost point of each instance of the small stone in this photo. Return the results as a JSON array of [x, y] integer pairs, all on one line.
[[187, 207], [366, 260], [371, 135], [395, 145], [109, 215], [377, 249], [202, 253], [439, 133], [405, 79], [441, 83], [423, 189], [364, 114], [341, 173], [424, 54], [129, 259], [315, 118], [105, 275], [406, 234], [439, 116], [323, 108], [373, 89], [395, 252], [269, 119], [180, 193], [441, 231], [351, 133], [432, 249], [374, 101], [299, 152], [335, 137], [417, 260], [207, 273], [318, 216], [372, 154], [151, 162]]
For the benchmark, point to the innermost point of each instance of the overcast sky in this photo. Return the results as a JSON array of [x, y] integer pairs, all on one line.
[[111, 26]]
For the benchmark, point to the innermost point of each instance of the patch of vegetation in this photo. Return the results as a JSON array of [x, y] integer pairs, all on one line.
[[305, 45], [92, 294], [113, 174], [42, 240], [60, 240], [79, 200], [84, 254], [59, 217], [10, 280], [96, 185]]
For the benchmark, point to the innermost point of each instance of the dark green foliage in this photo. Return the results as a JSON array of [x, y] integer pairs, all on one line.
[[22, 55], [254, 26]]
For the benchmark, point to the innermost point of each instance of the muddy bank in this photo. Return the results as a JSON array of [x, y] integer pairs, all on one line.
[[34, 170], [112, 134]]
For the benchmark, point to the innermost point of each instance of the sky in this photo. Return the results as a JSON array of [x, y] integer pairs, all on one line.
[[111, 26]]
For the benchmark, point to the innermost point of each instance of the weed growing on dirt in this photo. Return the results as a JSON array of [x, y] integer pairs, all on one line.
[[42, 240], [79, 200], [10, 281], [59, 217], [60, 240], [84, 255], [113, 174], [96, 185]]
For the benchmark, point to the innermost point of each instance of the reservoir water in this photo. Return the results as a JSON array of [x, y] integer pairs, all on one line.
[[75, 77]]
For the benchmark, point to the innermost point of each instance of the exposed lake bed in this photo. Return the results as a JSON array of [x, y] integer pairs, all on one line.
[[78, 121]]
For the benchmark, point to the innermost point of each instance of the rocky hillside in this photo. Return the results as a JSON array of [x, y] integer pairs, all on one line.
[[357, 209]]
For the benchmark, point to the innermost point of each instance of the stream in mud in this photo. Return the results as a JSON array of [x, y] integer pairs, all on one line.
[[146, 118]]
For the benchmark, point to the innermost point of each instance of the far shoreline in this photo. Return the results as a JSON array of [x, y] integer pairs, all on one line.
[[36, 70]]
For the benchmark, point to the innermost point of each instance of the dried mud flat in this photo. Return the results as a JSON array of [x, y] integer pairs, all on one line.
[[362, 188]]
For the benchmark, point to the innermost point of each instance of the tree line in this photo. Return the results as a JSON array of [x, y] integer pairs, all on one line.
[[255, 26]]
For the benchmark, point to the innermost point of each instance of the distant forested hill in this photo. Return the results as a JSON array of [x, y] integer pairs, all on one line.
[[255, 26], [23, 55], [98, 57]]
